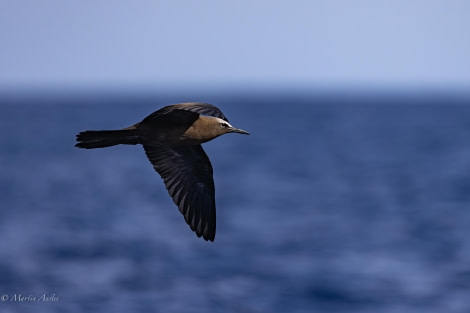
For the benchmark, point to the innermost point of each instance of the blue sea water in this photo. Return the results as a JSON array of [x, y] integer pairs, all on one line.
[[336, 202]]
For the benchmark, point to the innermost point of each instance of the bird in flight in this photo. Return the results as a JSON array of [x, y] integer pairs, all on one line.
[[172, 138]]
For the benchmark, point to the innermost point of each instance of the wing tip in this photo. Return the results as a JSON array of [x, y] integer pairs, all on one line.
[[207, 236], [203, 228]]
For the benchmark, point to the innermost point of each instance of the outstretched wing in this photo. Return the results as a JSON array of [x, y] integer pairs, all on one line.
[[196, 107], [187, 174]]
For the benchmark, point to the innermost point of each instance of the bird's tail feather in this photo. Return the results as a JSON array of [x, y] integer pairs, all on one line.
[[91, 139]]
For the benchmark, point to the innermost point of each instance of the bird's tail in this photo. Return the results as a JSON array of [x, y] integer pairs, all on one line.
[[91, 139]]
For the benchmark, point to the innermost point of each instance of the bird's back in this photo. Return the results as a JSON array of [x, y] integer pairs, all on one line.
[[196, 107], [165, 127]]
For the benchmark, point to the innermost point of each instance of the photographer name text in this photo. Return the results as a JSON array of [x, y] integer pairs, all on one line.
[[18, 297]]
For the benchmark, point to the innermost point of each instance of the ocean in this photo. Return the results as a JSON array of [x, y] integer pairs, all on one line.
[[338, 201]]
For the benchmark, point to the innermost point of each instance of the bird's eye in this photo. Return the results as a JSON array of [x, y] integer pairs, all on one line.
[[224, 125]]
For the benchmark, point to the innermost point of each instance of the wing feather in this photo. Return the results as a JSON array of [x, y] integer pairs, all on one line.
[[187, 174], [195, 107]]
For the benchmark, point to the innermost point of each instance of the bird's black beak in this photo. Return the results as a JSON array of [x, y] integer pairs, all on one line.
[[239, 131]]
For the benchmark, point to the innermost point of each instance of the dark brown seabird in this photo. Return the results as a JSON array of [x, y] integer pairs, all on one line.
[[172, 138]]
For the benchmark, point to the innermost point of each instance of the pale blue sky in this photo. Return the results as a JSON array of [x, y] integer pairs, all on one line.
[[180, 43]]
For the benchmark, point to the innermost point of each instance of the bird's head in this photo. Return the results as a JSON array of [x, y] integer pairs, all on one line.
[[206, 128], [224, 127]]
